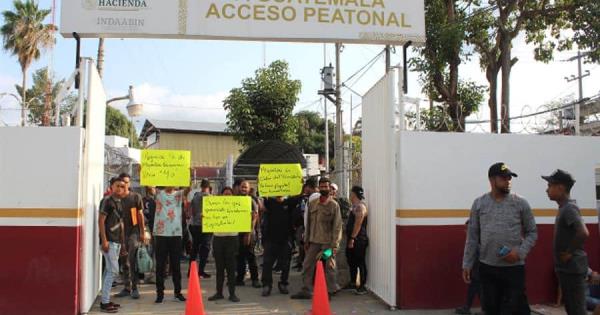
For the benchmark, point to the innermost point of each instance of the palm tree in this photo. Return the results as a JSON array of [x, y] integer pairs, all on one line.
[[24, 33], [100, 64]]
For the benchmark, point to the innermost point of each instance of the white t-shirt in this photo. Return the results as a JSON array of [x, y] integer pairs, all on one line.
[[312, 197]]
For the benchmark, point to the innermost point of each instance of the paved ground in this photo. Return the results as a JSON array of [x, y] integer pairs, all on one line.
[[252, 303]]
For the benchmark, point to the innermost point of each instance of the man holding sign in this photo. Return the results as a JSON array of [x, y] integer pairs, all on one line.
[[167, 238], [278, 235]]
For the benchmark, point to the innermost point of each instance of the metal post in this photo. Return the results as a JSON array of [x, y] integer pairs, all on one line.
[[77, 59], [80, 99], [351, 148], [388, 59], [405, 68], [579, 77], [326, 118], [339, 154]]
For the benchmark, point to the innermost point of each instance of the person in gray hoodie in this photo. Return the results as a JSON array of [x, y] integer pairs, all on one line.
[[503, 227]]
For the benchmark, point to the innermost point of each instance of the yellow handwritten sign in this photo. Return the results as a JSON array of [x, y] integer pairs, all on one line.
[[225, 214], [165, 168], [280, 180]]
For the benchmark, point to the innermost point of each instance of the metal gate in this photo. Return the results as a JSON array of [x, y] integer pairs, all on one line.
[[379, 137]]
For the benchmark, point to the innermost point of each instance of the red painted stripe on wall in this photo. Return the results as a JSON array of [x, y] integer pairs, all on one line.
[[464, 213], [39, 270], [429, 261]]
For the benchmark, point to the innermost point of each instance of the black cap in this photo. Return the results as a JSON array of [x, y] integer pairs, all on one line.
[[500, 169], [560, 177]]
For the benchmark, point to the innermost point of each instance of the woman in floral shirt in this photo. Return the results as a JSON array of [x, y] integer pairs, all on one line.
[[167, 238]]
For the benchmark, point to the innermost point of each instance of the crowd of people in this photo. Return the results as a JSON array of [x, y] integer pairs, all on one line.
[[502, 231], [168, 221]]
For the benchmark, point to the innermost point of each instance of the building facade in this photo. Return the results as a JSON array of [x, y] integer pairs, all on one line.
[[210, 143]]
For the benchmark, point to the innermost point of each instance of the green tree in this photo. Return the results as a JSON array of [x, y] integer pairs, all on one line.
[[261, 109], [117, 124], [24, 33], [567, 22], [37, 96], [439, 60], [432, 119], [311, 133], [493, 28]]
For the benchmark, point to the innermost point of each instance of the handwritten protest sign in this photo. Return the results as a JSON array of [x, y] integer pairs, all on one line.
[[165, 168], [224, 214], [280, 180]]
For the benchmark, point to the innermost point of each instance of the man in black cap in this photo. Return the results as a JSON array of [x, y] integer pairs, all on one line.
[[200, 240], [503, 227], [570, 233]]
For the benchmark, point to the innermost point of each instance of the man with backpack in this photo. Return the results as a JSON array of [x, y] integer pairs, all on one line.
[[112, 237]]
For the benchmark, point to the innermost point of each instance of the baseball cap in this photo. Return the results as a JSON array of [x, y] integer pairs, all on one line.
[[334, 186], [560, 177], [500, 169]]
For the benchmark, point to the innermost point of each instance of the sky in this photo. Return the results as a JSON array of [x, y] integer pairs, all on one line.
[[188, 79]]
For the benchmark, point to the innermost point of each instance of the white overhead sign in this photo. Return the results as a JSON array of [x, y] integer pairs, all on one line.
[[349, 21]]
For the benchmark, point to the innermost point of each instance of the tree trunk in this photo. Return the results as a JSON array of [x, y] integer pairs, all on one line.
[[23, 96], [457, 115], [453, 103], [505, 97], [492, 77], [100, 64]]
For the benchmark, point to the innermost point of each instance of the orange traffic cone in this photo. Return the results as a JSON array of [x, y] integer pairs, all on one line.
[[320, 302], [193, 305]]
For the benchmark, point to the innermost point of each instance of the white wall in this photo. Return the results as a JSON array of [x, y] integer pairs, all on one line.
[[449, 170], [39, 167]]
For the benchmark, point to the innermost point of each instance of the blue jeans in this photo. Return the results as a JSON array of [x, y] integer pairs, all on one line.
[[111, 269]]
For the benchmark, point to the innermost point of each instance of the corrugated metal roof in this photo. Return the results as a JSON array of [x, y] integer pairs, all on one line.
[[188, 126]]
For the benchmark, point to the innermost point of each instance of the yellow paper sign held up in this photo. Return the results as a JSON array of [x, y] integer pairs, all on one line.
[[165, 168], [280, 180], [226, 214]]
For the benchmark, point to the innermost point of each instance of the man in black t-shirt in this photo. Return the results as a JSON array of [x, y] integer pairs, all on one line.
[[149, 207], [133, 224], [570, 233], [110, 226], [278, 235]]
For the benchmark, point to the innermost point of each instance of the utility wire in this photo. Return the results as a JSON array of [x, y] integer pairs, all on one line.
[[363, 67], [537, 113]]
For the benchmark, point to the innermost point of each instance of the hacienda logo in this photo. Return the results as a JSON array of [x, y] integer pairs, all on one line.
[[116, 5]]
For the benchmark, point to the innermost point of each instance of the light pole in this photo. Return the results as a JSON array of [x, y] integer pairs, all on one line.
[[134, 109]]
